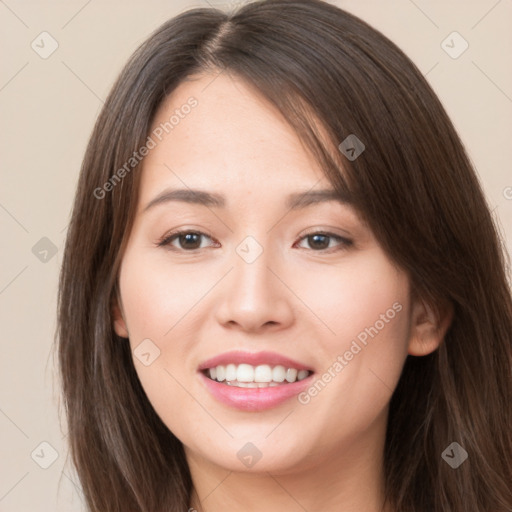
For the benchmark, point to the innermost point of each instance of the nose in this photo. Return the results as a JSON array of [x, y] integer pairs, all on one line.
[[254, 296]]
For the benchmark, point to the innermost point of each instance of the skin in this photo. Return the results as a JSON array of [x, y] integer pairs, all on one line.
[[296, 299]]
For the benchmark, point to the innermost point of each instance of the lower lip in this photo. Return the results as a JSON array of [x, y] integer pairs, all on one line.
[[254, 399]]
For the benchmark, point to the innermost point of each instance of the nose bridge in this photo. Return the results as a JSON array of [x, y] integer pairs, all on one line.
[[252, 278], [253, 296]]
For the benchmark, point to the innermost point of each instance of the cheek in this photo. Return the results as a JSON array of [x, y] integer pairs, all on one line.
[[156, 295], [160, 302], [367, 306], [365, 298]]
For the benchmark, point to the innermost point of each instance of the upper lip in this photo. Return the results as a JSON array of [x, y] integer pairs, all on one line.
[[252, 358]]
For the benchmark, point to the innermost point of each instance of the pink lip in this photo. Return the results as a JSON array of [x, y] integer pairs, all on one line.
[[254, 359], [254, 399]]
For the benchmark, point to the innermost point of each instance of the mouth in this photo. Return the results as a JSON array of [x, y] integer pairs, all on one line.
[[261, 376], [254, 381]]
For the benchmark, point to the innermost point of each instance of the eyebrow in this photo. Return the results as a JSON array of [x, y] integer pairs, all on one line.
[[294, 201]]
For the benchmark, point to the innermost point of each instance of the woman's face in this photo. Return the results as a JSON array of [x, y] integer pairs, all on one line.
[[257, 281]]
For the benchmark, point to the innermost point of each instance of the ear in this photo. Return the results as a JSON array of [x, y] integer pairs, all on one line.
[[428, 327], [119, 323]]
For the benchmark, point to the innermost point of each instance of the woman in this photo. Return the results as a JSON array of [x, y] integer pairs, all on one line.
[[282, 287]]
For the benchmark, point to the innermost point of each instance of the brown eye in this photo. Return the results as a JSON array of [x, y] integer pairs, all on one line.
[[322, 241], [186, 240], [190, 240], [318, 241]]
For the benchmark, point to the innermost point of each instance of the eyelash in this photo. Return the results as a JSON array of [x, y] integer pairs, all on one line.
[[167, 239]]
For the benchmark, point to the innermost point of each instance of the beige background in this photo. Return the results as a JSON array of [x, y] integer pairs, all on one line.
[[48, 107]]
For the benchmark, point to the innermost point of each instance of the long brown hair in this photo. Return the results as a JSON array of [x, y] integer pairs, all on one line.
[[331, 75]]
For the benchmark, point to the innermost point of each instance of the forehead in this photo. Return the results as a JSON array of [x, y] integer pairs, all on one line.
[[231, 137]]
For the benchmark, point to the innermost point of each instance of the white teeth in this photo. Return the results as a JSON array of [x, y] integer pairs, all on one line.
[[261, 376], [230, 372], [302, 374], [221, 373], [263, 373], [278, 373], [291, 375], [244, 373]]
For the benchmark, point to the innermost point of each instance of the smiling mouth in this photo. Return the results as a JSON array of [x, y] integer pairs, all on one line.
[[261, 376]]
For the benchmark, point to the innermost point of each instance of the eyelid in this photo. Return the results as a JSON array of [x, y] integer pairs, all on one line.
[[330, 231]]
